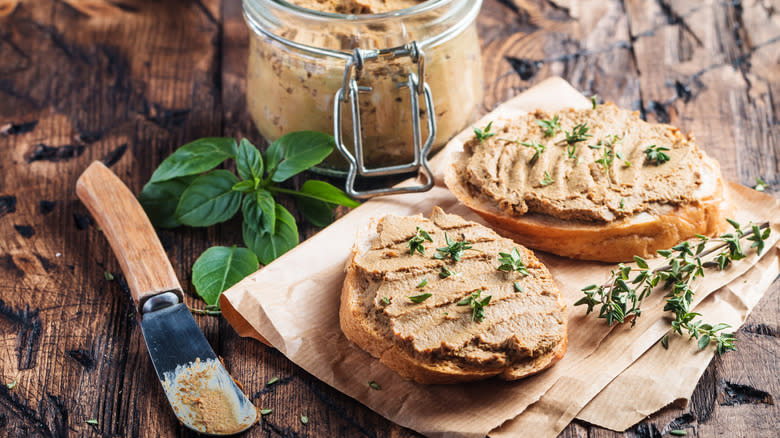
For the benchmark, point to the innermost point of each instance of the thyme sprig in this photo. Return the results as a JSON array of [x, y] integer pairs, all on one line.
[[453, 249], [416, 243], [621, 296], [550, 127], [477, 304], [484, 134]]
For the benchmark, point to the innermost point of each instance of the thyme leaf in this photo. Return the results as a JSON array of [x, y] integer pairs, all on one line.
[[657, 154], [416, 242], [477, 303], [547, 180], [420, 298], [512, 261], [537, 147], [550, 127], [761, 185], [578, 133], [484, 134], [454, 249]]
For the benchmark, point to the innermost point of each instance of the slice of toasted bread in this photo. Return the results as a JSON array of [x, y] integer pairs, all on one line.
[[641, 233], [436, 340]]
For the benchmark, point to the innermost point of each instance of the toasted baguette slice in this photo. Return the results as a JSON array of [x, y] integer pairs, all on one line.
[[641, 233], [436, 340]]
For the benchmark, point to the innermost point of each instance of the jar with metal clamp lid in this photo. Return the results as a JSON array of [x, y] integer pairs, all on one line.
[[392, 86]]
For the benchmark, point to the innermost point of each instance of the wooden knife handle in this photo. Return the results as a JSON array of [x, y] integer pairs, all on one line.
[[127, 228]]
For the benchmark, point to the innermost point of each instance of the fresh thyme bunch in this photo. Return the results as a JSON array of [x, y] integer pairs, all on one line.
[[620, 298]]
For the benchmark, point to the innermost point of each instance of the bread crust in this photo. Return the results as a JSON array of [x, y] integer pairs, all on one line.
[[618, 241], [360, 331]]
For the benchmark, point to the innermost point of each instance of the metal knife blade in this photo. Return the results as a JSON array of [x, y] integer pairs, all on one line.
[[202, 394]]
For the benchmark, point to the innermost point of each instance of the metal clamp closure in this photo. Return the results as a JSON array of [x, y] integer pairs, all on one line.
[[348, 94]]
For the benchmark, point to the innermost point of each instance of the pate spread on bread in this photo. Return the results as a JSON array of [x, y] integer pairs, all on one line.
[[444, 318], [594, 184]]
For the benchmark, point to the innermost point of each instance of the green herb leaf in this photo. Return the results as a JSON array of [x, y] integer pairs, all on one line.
[[272, 381], [304, 419], [160, 199], [374, 385], [386, 300], [512, 261], [295, 152], [420, 298], [318, 213], [678, 432], [761, 185], [657, 154], [249, 162], [547, 179], [209, 200], [517, 286], [423, 283], [665, 341], [108, 276], [322, 191], [537, 147], [92, 422], [244, 186], [220, 267], [269, 246], [259, 211], [11, 385], [578, 133], [194, 158], [265, 411], [593, 100], [484, 134], [454, 250], [550, 127], [416, 242], [477, 304], [704, 341], [446, 272]]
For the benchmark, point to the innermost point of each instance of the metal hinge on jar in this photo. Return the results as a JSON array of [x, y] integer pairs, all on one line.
[[348, 94]]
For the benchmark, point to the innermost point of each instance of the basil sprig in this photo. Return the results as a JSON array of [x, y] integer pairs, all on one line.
[[186, 189]]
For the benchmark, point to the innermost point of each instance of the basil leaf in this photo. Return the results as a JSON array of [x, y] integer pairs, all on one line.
[[159, 200], [266, 203], [244, 186], [259, 211], [318, 213], [269, 246], [196, 157], [299, 151], [220, 267], [209, 200], [249, 162], [323, 191]]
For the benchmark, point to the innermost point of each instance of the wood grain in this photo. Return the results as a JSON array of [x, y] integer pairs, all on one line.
[[126, 82], [145, 265]]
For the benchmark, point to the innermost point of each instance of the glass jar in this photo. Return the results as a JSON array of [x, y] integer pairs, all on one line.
[[297, 61]]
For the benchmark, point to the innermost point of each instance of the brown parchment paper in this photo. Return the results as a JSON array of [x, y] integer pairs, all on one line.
[[292, 304]]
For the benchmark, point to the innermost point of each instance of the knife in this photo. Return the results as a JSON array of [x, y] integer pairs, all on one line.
[[201, 392]]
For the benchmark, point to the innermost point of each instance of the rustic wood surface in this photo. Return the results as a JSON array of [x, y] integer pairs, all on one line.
[[127, 81]]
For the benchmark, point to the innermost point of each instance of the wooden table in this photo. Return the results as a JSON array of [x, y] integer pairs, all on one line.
[[128, 81]]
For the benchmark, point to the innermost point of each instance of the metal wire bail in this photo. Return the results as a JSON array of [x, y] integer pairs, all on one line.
[[348, 93]]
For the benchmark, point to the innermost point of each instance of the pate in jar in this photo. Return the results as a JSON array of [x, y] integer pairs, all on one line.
[[299, 50]]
